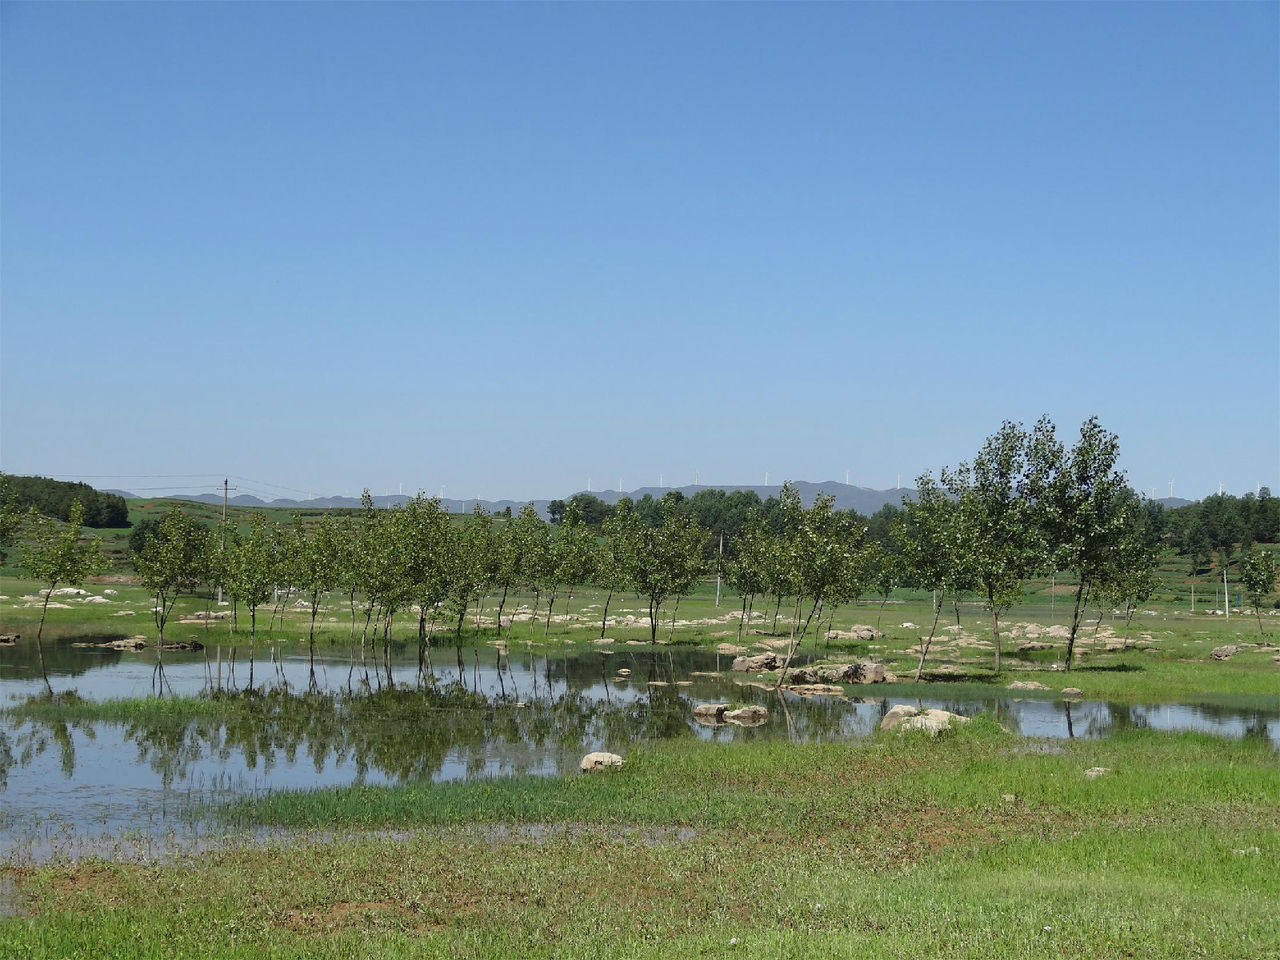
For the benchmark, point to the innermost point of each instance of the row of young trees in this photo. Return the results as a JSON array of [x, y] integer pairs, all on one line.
[[1025, 506]]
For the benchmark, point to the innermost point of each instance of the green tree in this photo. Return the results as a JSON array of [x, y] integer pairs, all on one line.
[[533, 549], [929, 533], [748, 566], [315, 563], [615, 566], [668, 558], [996, 503], [1130, 578], [172, 562], [472, 549], [573, 556], [1258, 575], [55, 555], [426, 544], [504, 563], [10, 518], [253, 571], [1084, 511]]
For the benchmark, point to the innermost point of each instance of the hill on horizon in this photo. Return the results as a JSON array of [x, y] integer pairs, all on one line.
[[847, 497]]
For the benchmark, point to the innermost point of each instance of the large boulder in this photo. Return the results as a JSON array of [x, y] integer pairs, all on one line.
[[1225, 652], [896, 715], [749, 716], [594, 762], [905, 717], [814, 689], [710, 714], [858, 631], [1027, 685], [757, 664], [864, 671]]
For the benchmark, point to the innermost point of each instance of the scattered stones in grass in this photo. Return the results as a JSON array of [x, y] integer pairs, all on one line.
[[1027, 685], [1093, 773], [1225, 652], [595, 762], [1072, 692], [730, 649]]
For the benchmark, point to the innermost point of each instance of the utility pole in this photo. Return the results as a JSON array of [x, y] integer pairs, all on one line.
[[225, 480], [719, 568]]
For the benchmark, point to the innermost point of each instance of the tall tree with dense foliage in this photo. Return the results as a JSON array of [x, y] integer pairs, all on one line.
[[54, 555], [996, 499], [668, 559], [172, 562], [1258, 575], [1084, 512]]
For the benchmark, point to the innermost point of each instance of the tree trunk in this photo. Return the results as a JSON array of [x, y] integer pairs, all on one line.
[[551, 603], [674, 612], [253, 637], [653, 621], [742, 618], [995, 622], [924, 651], [791, 649], [604, 618], [312, 685], [778, 606], [1075, 623], [44, 610], [501, 605]]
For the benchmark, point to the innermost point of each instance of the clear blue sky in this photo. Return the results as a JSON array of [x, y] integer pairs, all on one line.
[[505, 248]]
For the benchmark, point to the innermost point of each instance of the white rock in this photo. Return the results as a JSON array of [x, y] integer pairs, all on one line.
[[593, 762]]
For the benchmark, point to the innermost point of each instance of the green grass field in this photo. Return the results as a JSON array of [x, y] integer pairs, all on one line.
[[973, 846]]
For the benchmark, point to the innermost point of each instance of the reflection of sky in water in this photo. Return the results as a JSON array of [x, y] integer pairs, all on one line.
[[104, 777]]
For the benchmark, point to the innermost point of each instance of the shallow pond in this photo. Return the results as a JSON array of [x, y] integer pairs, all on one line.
[[63, 783]]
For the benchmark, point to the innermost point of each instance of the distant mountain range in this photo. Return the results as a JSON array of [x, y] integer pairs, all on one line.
[[847, 497]]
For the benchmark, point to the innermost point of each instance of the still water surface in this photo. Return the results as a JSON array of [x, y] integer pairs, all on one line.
[[540, 714]]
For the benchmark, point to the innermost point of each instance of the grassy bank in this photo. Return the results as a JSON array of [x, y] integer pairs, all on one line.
[[978, 845]]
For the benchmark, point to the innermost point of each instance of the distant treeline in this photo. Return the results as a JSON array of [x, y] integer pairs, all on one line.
[[1219, 524], [53, 499]]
